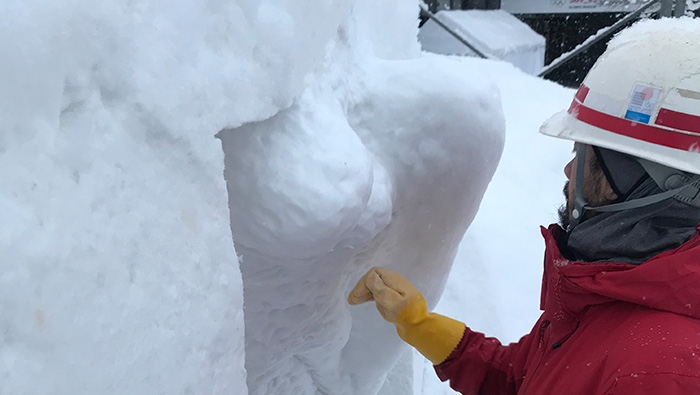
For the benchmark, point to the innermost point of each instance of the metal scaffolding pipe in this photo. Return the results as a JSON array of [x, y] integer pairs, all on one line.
[[454, 34], [680, 8]]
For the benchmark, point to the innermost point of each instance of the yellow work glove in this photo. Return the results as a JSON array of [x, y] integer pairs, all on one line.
[[399, 302]]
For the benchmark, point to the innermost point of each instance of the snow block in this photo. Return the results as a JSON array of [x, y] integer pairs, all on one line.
[[118, 272], [323, 191]]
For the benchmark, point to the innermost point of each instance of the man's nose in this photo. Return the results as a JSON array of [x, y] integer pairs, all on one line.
[[567, 169]]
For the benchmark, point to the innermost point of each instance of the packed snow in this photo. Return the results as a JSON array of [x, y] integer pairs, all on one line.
[[344, 147], [118, 270]]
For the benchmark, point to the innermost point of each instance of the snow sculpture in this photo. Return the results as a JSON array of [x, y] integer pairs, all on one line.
[[118, 273], [378, 162]]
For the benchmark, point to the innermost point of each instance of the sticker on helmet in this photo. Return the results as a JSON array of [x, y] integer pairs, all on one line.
[[642, 104]]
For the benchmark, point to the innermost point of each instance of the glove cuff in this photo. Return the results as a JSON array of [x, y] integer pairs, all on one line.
[[435, 336]]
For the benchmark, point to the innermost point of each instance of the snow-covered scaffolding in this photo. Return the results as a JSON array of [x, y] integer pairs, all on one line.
[[570, 6], [497, 33]]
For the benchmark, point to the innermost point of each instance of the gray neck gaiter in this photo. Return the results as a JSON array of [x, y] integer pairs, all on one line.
[[635, 235]]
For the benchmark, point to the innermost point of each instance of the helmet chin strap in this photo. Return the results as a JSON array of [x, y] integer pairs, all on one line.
[[580, 204], [674, 183]]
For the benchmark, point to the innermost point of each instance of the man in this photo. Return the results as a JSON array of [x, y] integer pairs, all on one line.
[[621, 285]]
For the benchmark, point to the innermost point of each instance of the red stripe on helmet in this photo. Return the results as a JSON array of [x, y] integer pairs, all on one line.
[[582, 93], [635, 130], [678, 120]]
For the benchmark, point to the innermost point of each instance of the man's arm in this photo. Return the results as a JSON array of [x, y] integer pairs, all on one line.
[[482, 365], [473, 363]]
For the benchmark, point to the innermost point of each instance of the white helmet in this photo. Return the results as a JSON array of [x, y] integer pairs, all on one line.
[[642, 97]]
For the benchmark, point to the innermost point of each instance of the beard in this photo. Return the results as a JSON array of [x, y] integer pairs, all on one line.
[[563, 211], [592, 193]]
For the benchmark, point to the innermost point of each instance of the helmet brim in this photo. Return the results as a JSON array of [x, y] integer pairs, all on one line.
[[565, 126]]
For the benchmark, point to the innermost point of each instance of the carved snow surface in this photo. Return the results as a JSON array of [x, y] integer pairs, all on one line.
[[117, 268], [390, 174], [118, 273]]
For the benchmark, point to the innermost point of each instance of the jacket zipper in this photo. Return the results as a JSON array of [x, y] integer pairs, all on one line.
[[541, 346], [543, 327]]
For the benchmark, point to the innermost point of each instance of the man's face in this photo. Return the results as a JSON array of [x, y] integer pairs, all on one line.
[[596, 189]]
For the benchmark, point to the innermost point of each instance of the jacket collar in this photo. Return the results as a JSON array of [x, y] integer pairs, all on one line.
[[669, 281]]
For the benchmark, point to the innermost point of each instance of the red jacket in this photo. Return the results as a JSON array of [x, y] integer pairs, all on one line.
[[607, 328]]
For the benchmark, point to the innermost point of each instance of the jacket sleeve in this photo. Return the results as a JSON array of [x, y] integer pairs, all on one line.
[[482, 365]]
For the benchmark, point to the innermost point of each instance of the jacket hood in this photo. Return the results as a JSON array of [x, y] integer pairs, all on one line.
[[669, 281]]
